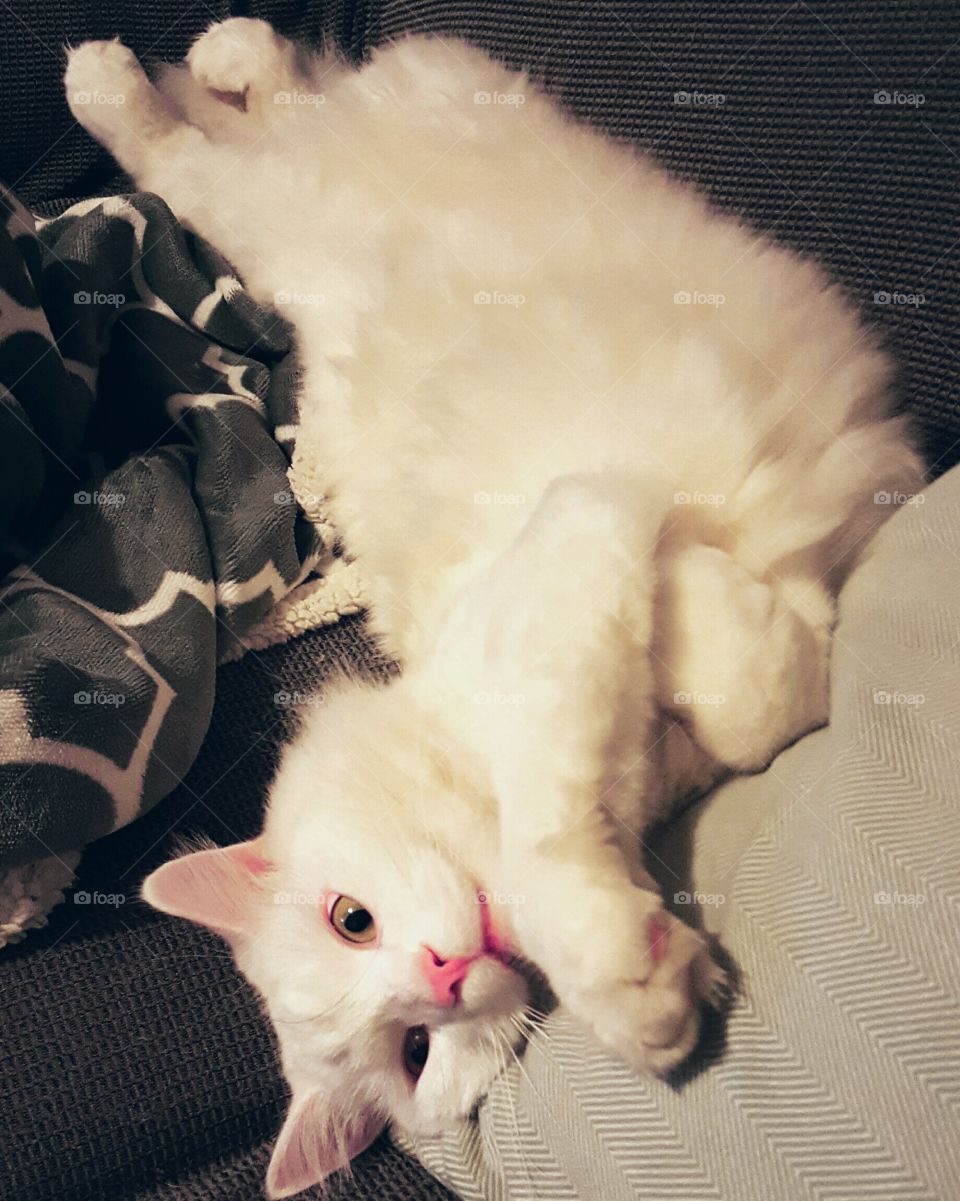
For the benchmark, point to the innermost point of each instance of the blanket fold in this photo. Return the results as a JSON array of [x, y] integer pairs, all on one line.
[[147, 523]]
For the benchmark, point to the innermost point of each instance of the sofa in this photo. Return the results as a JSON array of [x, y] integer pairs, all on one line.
[[136, 1065]]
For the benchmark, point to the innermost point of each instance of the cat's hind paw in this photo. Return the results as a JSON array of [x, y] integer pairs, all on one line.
[[100, 76], [111, 97], [240, 60]]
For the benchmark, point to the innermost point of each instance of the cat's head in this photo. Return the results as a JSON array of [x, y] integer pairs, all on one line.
[[389, 980]]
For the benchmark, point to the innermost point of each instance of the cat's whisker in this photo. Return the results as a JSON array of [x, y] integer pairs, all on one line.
[[534, 1025], [533, 1038], [531, 1011], [523, 1031], [523, 1072], [508, 1092]]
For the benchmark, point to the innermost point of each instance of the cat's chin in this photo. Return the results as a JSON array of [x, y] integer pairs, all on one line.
[[478, 1052]]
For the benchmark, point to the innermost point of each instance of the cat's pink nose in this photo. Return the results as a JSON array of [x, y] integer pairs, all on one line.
[[445, 975]]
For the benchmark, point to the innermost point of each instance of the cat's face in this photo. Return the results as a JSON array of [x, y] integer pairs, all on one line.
[[389, 980]]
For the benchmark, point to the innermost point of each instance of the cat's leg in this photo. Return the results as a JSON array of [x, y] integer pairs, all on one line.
[[742, 660], [145, 130], [111, 97], [568, 706]]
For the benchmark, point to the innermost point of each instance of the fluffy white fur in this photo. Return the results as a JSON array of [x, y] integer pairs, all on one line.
[[604, 530]]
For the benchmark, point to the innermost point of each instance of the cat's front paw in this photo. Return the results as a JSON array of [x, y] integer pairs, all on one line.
[[633, 973], [648, 1009]]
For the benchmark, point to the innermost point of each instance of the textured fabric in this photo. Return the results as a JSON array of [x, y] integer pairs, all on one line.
[[134, 1062], [831, 879], [139, 384]]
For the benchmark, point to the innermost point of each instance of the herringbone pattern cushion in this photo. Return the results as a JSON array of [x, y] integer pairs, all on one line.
[[832, 879]]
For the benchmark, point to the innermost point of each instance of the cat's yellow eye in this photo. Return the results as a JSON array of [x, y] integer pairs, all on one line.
[[352, 921]]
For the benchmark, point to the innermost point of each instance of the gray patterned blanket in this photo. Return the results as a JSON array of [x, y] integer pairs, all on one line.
[[147, 416]]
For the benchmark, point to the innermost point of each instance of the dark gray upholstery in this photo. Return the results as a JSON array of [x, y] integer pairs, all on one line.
[[134, 1062]]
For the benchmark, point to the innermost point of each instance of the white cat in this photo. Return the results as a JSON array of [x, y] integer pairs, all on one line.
[[604, 455]]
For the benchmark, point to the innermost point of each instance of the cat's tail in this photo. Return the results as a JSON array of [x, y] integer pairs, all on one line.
[[816, 512], [747, 595]]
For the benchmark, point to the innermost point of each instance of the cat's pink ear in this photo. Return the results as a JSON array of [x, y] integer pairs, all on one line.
[[214, 887], [316, 1140]]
